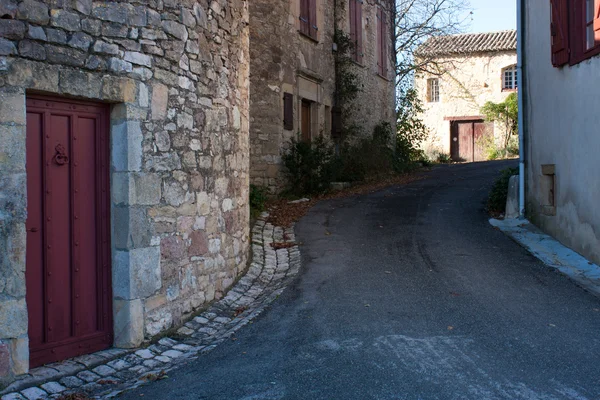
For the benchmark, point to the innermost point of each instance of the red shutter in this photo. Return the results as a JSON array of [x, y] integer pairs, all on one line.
[[597, 21], [384, 48], [559, 29], [313, 20], [288, 111], [305, 16], [359, 32], [352, 19]]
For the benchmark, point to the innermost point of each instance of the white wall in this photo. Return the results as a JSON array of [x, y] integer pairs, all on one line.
[[466, 86], [562, 128]]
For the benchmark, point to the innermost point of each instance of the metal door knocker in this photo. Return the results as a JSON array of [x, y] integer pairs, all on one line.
[[60, 158]]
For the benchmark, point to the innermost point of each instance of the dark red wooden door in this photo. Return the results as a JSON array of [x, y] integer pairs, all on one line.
[[68, 249], [468, 140]]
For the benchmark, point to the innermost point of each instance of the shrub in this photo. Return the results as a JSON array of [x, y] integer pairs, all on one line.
[[258, 199], [309, 166], [410, 130], [499, 192], [443, 158]]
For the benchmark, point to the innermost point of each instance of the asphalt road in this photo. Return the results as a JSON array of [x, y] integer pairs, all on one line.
[[409, 293]]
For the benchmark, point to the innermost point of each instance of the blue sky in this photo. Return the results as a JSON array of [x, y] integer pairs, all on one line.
[[493, 15]]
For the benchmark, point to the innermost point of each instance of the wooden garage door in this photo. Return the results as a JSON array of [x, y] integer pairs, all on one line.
[[468, 139], [68, 256]]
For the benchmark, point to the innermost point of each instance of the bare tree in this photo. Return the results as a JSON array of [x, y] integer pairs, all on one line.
[[418, 20]]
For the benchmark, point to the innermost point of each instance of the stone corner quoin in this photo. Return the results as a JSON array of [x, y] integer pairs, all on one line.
[[175, 74]]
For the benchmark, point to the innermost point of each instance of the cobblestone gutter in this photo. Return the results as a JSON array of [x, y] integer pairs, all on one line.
[[276, 260]]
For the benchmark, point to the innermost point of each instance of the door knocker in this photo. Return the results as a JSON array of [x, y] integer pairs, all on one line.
[[60, 158]]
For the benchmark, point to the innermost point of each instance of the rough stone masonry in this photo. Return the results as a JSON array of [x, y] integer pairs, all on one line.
[[176, 75]]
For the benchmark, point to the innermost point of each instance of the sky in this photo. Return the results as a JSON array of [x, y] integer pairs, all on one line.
[[493, 15]]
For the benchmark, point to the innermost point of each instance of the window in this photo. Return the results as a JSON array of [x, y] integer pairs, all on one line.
[[575, 30], [382, 34], [308, 18], [288, 111], [433, 90], [509, 78], [356, 33]]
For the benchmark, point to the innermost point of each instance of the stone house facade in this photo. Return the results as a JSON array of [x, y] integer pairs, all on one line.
[[468, 70], [124, 170], [293, 79], [560, 120]]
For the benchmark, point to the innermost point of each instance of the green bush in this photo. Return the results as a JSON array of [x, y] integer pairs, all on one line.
[[443, 158], [258, 199], [410, 131], [310, 166], [499, 192]]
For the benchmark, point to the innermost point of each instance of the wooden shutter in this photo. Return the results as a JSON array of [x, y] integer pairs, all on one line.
[[597, 21], [352, 19], [559, 30], [384, 44], [305, 16], [313, 29], [382, 32], [359, 32], [288, 111]]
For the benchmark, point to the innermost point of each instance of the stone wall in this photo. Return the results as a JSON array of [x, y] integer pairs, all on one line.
[[176, 74], [285, 61], [469, 82], [376, 102]]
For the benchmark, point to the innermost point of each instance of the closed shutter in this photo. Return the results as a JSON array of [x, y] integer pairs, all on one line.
[[305, 16], [313, 29], [359, 33], [382, 33], [352, 19], [559, 28], [288, 111], [597, 21]]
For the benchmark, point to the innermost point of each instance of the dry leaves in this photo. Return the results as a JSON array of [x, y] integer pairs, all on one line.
[[283, 213]]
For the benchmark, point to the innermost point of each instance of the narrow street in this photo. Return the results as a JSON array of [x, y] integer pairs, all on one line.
[[409, 293]]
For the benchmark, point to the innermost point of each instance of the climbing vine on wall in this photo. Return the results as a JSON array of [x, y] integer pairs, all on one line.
[[346, 80]]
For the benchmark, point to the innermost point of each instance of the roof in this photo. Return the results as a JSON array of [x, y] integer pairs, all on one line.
[[469, 43]]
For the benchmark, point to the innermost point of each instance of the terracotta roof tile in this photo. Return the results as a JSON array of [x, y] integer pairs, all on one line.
[[469, 43]]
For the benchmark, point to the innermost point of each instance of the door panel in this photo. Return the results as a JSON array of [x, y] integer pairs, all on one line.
[[465, 141], [68, 256], [483, 132]]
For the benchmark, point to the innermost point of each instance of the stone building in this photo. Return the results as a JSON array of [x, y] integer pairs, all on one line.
[[293, 75], [469, 70], [123, 170]]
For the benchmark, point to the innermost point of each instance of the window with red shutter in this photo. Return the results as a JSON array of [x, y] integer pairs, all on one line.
[[583, 39]]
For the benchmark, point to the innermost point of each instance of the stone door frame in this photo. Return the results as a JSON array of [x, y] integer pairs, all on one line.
[[130, 105]]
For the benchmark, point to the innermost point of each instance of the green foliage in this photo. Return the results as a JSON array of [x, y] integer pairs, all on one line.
[[411, 131], [309, 166], [258, 199], [443, 158], [347, 84], [499, 192], [506, 113]]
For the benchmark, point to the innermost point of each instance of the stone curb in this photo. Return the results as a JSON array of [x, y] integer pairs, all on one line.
[[106, 374]]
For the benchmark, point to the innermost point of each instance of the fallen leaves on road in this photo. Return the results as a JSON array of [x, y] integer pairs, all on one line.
[[285, 213], [282, 245], [74, 396], [107, 382], [454, 294], [154, 377], [239, 310], [450, 327]]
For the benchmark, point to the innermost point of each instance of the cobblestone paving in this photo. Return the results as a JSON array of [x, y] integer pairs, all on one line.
[[276, 260]]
